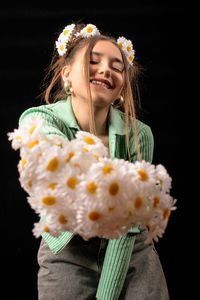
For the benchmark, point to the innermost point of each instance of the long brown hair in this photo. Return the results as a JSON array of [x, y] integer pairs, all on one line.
[[54, 87]]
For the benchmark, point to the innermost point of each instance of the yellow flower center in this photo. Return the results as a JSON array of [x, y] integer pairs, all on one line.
[[89, 29], [143, 175], [138, 202], [65, 32], [77, 166], [59, 145], [92, 187], [130, 58], [52, 185], [29, 183], [107, 170], [32, 129], [156, 201], [18, 138], [46, 229], [32, 144], [49, 200], [111, 208], [97, 157], [24, 161], [113, 188], [71, 154], [166, 213], [53, 165], [61, 47], [94, 215], [72, 182], [89, 140], [62, 220], [128, 48], [85, 149], [120, 45]]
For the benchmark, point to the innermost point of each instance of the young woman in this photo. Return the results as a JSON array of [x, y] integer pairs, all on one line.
[[90, 74]]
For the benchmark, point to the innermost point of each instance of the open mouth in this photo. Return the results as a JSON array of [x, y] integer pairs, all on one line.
[[101, 82]]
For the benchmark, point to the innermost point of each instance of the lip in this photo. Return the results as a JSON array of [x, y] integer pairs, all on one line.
[[104, 81]]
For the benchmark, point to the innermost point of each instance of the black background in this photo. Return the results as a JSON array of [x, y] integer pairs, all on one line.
[[161, 36]]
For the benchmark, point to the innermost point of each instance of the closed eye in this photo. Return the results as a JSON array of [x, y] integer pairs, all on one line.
[[93, 62], [117, 69]]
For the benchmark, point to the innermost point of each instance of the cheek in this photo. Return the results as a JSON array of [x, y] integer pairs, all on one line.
[[78, 76], [119, 82]]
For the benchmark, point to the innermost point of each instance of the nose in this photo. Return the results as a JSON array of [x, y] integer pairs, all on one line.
[[104, 69]]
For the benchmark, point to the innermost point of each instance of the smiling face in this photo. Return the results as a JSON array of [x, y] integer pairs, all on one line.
[[106, 74]]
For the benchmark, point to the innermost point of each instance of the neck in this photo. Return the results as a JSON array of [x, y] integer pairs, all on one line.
[[81, 112]]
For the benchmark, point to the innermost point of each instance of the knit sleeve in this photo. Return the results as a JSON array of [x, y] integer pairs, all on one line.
[[118, 252], [146, 142]]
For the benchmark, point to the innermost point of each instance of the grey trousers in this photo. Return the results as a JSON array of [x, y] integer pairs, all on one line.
[[74, 273]]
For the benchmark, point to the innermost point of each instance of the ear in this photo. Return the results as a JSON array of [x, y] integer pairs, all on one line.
[[65, 73]]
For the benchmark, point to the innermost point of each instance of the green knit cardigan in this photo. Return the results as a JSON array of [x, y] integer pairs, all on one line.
[[60, 120]]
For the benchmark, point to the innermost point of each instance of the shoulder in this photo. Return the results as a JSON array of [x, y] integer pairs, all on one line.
[[144, 130], [48, 112], [54, 115]]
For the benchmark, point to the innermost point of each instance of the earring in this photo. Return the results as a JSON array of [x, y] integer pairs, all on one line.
[[68, 88], [118, 102]]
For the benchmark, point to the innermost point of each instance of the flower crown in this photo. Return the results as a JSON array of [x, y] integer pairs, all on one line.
[[88, 31]]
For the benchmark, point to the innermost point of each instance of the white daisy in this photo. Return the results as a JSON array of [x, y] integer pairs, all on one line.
[[155, 232], [30, 130], [145, 175], [33, 125], [40, 228], [127, 47], [130, 57], [91, 143], [65, 35], [88, 31], [161, 213], [27, 176], [90, 218], [64, 221], [121, 41], [61, 47], [16, 138], [50, 163], [47, 201], [163, 178], [79, 156], [112, 188], [58, 140], [88, 191], [140, 209], [117, 222], [68, 181]]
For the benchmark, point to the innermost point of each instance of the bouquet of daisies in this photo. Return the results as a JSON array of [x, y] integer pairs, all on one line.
[[74, 186]]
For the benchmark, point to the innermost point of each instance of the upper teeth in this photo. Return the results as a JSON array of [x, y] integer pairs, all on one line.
[[100, 83]]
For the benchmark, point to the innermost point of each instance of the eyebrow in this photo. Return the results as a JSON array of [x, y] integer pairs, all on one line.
[[101, 54]]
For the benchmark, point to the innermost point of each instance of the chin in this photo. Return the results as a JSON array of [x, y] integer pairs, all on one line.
[[101, 101]]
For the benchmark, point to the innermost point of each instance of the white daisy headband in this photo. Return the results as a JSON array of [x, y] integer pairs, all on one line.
[[91, 30]]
